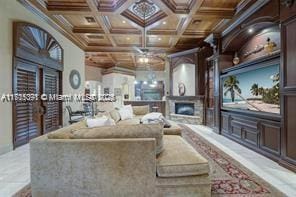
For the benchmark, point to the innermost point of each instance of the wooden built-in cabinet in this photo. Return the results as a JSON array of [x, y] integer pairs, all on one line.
[[288, 85], [257, 133], [273, 135]]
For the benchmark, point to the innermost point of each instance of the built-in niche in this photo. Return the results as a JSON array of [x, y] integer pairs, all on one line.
[[184, 80]]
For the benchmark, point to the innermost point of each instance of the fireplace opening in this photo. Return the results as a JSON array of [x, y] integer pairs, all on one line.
[[184, 108]]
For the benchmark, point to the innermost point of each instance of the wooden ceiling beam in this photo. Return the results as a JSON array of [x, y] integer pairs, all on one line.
[[100, 21], [185, 21], [219, 13]]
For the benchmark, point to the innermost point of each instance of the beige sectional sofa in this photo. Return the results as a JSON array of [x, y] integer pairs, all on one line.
[[139, 112], [122, 160]]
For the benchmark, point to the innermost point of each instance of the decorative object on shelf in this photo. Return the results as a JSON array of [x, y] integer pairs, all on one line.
[[257, 49], [287, 3], [269, 46], [235, 59], [182, 89], [75, 79]]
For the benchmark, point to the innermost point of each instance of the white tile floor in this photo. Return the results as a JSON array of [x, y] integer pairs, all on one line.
[[14, 171], [15, 168]]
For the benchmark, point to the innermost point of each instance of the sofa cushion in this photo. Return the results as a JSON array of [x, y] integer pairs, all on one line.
[[66, 132], [141, 110], [124, 131], [179, 159], [129, 121], [175, 129], [115, 115]]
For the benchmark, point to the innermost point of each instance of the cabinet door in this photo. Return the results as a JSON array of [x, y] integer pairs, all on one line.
[[288, 87]]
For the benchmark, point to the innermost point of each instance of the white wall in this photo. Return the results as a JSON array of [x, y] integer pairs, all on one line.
[[93, 74], [184, 73], [116, 80], [10, 11]]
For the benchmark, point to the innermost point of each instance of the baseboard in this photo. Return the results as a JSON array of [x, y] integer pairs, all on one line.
[[5, 148]]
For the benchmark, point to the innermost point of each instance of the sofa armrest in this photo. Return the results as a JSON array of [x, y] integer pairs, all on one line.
[[95, 167]]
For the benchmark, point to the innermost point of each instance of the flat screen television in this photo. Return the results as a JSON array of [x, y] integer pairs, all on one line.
[[253, 90]]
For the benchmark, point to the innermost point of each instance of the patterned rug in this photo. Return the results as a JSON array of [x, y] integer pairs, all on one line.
[[229, 177]]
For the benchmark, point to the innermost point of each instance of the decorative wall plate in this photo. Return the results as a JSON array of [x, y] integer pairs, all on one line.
[[75, 79]]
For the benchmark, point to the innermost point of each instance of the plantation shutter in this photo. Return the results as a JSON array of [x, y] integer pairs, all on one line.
[[26, 123], [52, 112]]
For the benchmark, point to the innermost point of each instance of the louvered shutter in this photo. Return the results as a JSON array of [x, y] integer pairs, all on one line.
[[51, 87], [26, 82]]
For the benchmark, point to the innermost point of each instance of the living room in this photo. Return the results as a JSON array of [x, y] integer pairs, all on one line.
[[147, 98]]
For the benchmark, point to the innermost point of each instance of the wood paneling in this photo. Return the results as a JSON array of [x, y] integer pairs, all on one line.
[[291, 127], [288, 83], [177, 24], [257, 133]]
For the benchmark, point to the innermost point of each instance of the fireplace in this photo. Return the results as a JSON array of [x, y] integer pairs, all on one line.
[[184, 109]]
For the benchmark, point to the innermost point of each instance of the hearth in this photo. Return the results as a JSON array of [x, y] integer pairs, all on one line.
[[184, 109]]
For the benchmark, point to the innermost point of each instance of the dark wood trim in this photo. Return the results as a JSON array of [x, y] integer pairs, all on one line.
[[198, 97], [263, 61], [184, 53]]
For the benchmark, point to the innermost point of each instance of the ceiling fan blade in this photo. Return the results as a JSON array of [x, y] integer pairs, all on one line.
[[138, 50]]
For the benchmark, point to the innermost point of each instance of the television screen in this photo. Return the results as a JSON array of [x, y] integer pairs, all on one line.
[[255, 90]]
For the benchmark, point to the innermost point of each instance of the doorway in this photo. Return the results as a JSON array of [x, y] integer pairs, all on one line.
[[37, 70]]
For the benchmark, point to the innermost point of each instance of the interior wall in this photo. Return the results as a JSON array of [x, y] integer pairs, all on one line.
[[93, 73], [184, 73], [10, 11], [117, 80]]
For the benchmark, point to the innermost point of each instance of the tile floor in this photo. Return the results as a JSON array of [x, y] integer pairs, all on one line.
[[15, 168], [14, 171]]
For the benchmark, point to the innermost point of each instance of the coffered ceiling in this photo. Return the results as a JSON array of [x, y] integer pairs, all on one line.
[[110, 30]]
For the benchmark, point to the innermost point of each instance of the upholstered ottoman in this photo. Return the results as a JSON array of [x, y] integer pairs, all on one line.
[[175, 129], [181, 171]]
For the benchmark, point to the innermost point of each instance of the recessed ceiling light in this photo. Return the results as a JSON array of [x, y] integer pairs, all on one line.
[[164, 22], [251, 30], [128, 38], [90, 19], [123, 21], [159, 39]]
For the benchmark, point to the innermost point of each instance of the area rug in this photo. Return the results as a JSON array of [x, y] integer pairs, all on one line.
[[229, 177]]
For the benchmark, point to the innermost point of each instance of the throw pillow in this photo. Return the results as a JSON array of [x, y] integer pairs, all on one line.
[[166, 123], [98, 122], [129, 107], [125, 114], [115, 115], [152, 116]]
